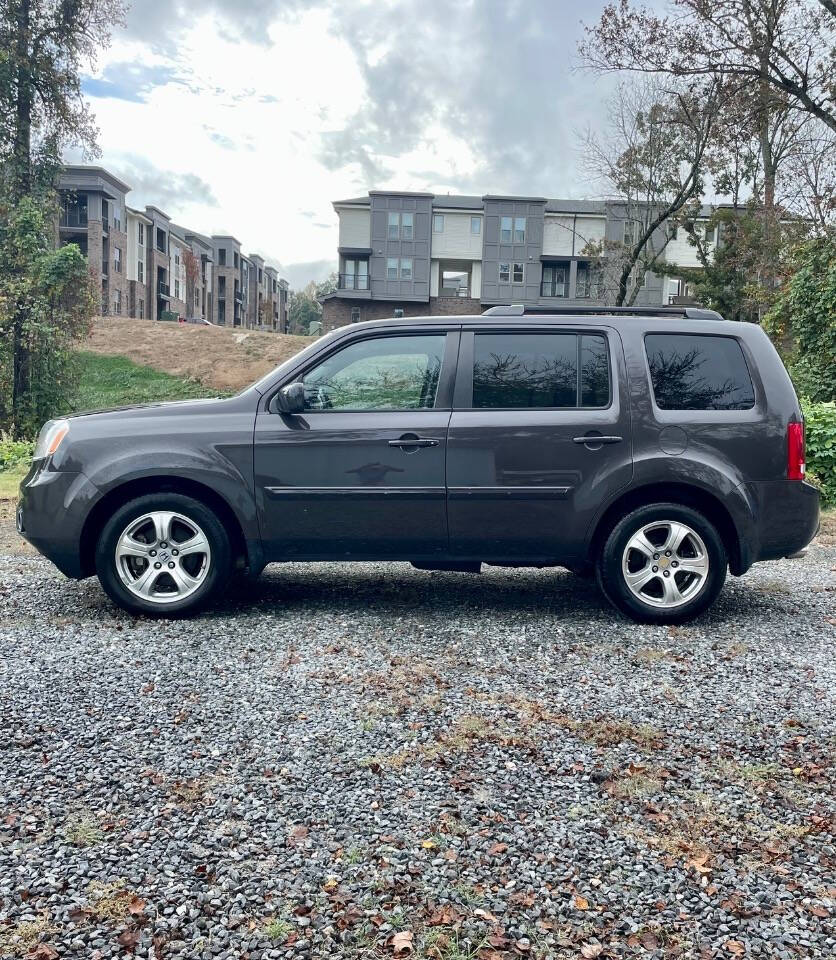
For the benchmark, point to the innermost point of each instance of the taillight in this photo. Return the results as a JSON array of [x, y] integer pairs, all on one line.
[[795, 451]]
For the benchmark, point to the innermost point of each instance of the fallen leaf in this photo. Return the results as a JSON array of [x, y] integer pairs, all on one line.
[[402, 943], [591, 950], [735, 947], [136, 905], [581, 903], [429, 844], [330, 884], [649, 941], [485, 915], [497, 848], [43, 951], [819, 912], [129, 939]]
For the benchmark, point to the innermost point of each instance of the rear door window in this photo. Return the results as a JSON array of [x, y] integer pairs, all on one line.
[[547, 370], [698, 372]]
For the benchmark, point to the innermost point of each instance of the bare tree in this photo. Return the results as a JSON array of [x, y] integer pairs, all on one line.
[[651, 161], [808, 188], [782, 47], [191, 264]]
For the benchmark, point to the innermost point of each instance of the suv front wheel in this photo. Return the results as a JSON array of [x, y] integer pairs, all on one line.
[[663, 563], [163, 554]]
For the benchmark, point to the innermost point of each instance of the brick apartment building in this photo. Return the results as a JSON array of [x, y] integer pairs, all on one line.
[[412, 254], [138, 259]]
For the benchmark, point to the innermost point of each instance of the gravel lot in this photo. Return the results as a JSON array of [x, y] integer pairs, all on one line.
[[363, 761]]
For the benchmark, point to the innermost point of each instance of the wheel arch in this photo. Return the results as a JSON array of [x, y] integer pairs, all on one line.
[[131, 489], [685, 494]]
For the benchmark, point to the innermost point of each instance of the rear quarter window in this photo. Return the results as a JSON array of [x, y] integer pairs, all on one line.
[[698, 372]]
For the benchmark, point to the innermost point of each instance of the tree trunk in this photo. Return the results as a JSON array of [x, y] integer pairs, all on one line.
[[22, 148]]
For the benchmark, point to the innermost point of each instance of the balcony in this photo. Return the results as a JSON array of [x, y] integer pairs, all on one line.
[[73, 218], [353, 281], [163, 289]]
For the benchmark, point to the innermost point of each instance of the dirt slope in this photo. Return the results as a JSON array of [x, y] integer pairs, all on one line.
[[220, 357]]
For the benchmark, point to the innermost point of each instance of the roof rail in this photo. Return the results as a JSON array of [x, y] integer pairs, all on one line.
[[521, 309]]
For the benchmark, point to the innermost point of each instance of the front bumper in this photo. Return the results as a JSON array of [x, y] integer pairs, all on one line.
[[51, 512], [786, 517]]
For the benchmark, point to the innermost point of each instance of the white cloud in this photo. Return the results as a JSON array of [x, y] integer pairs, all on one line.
[[281, 108]]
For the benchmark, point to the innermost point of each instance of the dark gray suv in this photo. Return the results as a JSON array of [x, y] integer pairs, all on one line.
[[653, 449]]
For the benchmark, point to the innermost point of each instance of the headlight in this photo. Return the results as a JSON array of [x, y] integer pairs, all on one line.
[[52, 433]]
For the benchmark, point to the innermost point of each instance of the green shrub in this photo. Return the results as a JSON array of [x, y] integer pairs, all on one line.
[[13, 452], [820, 421]]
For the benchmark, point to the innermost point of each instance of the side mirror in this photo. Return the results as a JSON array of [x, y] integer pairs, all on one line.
[[291, 399]]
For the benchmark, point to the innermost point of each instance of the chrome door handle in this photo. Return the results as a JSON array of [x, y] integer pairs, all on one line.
[[415, 442], [597, 440]]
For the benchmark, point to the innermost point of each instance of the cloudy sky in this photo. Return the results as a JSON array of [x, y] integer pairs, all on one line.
[[250, 117]]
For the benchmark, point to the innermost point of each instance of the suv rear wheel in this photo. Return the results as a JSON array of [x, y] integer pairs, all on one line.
[[163, 554], [663, 563]]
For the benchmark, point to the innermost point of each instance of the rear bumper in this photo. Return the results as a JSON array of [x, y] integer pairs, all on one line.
[[786, 515], [51, 512]]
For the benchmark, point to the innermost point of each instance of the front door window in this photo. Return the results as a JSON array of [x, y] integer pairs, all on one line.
[[388, 373]]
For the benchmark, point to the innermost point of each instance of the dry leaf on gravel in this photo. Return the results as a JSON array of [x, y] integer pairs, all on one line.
[[580, 903], [591, 950], [402, 943]]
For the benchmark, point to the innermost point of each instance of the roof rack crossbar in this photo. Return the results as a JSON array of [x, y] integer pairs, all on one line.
[[521, 309]]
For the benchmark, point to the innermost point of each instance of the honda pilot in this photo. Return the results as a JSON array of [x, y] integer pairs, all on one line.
[[653, 449]]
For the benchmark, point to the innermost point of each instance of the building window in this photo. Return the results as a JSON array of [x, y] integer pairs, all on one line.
[[117, 302], [196, 297], [221, 311], [355, 314], [222, 256], [397, 313], [235, 260], [140, 234], [221, 286], [140, 309], [555, 280], [583, 282], [518, 273], [176, 289], [673, 231], [406, 269], [406, 226], [519, 230], [629, 233], [117, 218], [117, 260], [161, 240], [438, 223], [356, 276], [505, 230], [140, 271], [505, 273], [394, 226], [475, 226], [74, 210], [392, 268]]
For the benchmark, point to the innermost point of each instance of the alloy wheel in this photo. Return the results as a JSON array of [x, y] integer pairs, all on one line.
[[665, 564], [163, 557]]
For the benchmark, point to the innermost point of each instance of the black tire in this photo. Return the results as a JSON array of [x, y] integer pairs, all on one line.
[[215, 564], [611, 576]]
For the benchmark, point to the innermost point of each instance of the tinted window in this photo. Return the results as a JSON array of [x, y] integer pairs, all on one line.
[[391, 373], [696, 372], [524, 370]]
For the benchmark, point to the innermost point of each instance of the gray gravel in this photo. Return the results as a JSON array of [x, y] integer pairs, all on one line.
[[366, 760]]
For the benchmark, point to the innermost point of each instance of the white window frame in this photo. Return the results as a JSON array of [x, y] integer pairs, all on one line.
[[520, 271], [392, 265], [477, 223], [629, 234], [140, 271], [140, 234], [504, 275], [117, 259], [407, 223], [406, 268], [503, 230], [117, 302], [355, 314], [438, 223], [520, 232], [393, 220]]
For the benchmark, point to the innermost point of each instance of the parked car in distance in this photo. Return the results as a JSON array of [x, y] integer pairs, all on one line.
[[655, 449]]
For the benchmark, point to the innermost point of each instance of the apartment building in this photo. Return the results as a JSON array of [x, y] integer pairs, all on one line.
[[139, 259], [410, 254]]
